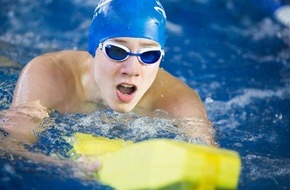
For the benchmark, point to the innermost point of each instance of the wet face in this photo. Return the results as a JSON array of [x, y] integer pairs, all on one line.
[[123, 83]]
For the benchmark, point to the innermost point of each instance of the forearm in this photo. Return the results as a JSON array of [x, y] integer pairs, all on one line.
[[22, 123], [198, 131], [19, 129]]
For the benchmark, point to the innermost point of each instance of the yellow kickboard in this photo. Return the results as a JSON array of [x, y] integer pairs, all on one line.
[[90, 145], [162, 164]]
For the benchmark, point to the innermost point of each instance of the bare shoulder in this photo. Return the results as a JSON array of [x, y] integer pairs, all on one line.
[[172, 95], [46, 78], [56, 60], [61, 66]]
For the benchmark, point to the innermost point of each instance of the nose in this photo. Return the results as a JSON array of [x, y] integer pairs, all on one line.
[[131, 67]]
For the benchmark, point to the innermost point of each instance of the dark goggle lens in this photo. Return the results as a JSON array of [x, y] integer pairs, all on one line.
[[150, 57], [116, 53], [120, 54]]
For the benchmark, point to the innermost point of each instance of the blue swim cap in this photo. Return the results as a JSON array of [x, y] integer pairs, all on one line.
[[127, 18]]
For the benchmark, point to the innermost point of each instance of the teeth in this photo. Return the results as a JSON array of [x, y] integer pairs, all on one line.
[[127, 86]]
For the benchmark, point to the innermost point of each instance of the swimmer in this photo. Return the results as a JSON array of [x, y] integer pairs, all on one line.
[[121, 70]]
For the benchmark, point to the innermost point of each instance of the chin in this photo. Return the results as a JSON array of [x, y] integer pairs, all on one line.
[[122, 108]]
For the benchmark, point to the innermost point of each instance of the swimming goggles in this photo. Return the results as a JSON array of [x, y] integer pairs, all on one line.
[[118, 52]]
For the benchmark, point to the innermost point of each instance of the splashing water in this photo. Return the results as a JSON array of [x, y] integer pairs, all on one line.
[[234, 53], [107, 123]]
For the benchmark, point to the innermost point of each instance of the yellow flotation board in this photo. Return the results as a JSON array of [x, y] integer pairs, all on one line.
[[87, 144], [161, 164]]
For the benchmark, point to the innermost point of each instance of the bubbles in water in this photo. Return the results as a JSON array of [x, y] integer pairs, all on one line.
[[271, 170], [107, 123]]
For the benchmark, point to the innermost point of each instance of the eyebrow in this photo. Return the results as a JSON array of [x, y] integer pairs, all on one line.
[[142, 43]]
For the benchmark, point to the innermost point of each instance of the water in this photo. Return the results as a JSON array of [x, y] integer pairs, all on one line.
[[234, 53]]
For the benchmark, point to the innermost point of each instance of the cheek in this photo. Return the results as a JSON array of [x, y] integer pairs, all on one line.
[[154, 70], [102, 69], [151, 75], [102, 77]]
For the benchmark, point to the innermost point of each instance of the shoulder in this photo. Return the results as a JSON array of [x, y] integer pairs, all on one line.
[[61, 58], [172, 95], [57, 63], [48, 77]]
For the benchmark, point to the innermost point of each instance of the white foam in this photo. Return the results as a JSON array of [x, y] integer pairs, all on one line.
[[282, 14], [247, 96], [266, 28], [174, 28], [230, 114], [250, 94], [268, 168]]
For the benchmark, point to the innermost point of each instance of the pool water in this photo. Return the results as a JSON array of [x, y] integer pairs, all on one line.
[[236, 54]]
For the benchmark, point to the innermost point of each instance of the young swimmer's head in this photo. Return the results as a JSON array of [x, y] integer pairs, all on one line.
[[127, 18]]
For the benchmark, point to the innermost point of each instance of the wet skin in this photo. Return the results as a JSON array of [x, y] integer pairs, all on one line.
[[74, 81]]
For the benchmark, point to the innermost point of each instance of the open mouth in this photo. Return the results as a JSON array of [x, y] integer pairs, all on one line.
[[126, 89], [126, 92]]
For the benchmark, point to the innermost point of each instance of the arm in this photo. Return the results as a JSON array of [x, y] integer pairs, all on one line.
[[48, 82], [44, 84], [21, 123], [31, 101]]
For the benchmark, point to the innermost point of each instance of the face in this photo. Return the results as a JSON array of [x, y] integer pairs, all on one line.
[[123, 83]]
